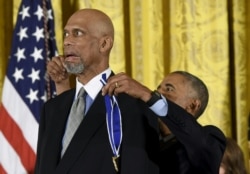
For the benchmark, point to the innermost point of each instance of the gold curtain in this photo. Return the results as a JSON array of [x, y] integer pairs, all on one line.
[[154, 37]]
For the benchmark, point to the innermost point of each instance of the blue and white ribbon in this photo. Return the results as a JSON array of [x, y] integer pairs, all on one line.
[[113, 120]]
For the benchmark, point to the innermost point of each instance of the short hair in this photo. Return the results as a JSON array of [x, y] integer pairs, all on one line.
[[199, 88]]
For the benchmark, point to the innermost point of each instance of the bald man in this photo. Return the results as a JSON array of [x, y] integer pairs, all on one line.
[[115, 133]]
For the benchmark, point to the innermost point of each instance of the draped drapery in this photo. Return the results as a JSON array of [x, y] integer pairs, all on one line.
[[210, 39]]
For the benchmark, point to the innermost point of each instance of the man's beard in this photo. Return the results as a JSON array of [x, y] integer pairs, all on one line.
[[73, 68]]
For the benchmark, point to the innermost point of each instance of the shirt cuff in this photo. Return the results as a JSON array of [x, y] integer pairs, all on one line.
[[160, 107]]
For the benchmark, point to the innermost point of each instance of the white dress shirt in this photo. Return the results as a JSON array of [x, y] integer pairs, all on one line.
[[94, 86]]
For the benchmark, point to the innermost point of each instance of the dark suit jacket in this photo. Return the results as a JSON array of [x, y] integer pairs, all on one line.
[[194, 149], [89, 151]]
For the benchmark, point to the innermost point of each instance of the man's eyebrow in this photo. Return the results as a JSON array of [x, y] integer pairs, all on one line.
[[169, 85]]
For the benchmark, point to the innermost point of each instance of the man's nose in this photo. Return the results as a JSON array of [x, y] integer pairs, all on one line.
[[68, 41]]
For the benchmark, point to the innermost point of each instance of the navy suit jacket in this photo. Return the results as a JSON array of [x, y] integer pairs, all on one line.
[[195, 149], [89, 151]]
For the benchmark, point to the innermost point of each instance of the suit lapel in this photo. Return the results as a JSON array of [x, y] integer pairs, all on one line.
[[94, 119], [55, 121]]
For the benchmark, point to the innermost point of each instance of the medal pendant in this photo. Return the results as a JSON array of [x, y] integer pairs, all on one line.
[[115, 162]]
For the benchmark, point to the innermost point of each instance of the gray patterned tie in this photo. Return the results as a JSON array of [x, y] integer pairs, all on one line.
[[75, 117]]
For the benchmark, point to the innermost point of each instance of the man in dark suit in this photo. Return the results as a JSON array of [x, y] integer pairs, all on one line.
[[88, 39], [186, 146]]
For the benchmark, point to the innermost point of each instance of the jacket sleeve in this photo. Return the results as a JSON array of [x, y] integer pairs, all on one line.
[[40, 136], [204, 145]]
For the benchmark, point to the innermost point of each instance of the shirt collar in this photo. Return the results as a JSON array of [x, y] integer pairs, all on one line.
[[94, 86]]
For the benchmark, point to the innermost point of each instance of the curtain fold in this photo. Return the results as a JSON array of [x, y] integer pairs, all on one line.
[[199, 44], [241, 100], [147, 41], [6, 26], [210, 39]]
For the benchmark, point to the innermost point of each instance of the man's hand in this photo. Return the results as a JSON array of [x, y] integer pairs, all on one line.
[[56, 70], [122, 83], [58, 74]]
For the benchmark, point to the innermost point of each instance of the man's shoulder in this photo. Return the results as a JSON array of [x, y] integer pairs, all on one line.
[[69, 95], [212, 128], [215, 132]]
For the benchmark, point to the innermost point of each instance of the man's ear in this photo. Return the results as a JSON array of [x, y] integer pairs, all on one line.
[[106, 43], [194, 106]]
